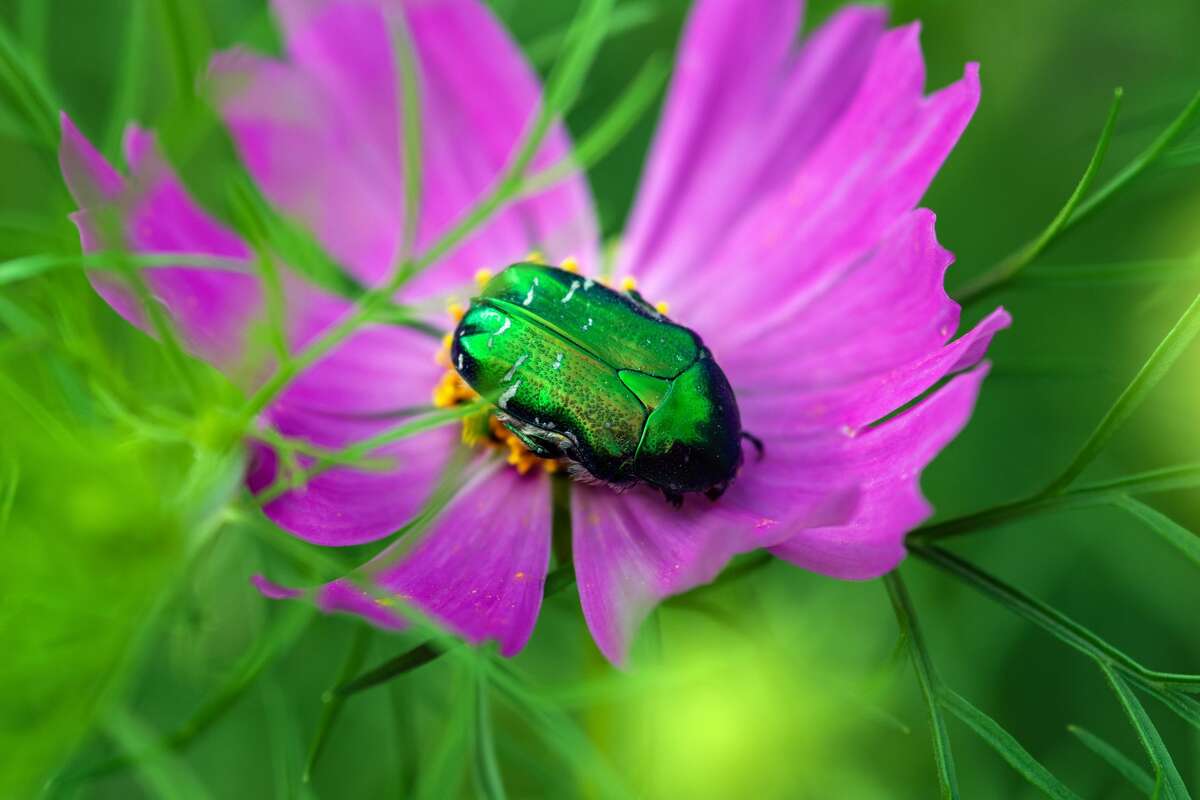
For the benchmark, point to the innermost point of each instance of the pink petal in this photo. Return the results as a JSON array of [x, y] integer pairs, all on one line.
[[347, 396], [371, 383], [321, 134], [346, 506], [797, 237], [480, 569], [745, 109], [90, 178], [309, 156], [888, 460], [213, 309], [633, 550], [779, 408], [869, 342]]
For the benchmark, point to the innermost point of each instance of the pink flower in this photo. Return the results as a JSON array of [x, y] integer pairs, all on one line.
[[777, 215]]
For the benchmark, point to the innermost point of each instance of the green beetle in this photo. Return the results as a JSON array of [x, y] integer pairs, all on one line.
[[599, 378]]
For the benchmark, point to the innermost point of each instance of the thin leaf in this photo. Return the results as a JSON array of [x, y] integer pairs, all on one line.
[[8, 492], [999, 274], [402, 664], [611, 129], [1164, 766], [185, 28], [1178, 127], [625, 17], [1160, 361], [1128, 770], [928, 680], [1181, 476], [258, 220], [32, 25], [282, 633], [1119, 273], [133, 67], [161, 773], [487, 769], [1008, 747], [441, 772], [411, 149], [583, 40], [558, 580], [332, 701], [1171, 531], [1009, 267], [27, 95], [559, 731], [1053, 621], [1186, 155]]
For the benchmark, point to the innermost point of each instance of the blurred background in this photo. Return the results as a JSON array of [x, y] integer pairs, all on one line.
[[121, 623]]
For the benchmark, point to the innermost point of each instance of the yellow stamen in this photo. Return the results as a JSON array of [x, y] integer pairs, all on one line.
[[456, 311], [662, 307], [570, 265], [628, 284], [535, 257], [482, 277]]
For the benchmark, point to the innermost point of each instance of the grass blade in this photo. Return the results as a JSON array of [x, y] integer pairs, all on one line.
[[1003, 272], [406, 662], [487, 769], [286, 628], [1115, 274], [28, 98], [998, 275], [1181, 476], [160, 772], [625, 17], [411, 147], [928, 680], [1156, 366], [186, 30], [332, 701], [1171, 531], [1168, 776], [1137, 777], [609, 131], [1051, 620], [133, 67], [1008, 747]]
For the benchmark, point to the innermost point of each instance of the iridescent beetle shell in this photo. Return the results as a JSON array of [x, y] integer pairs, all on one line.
[[600, 379]]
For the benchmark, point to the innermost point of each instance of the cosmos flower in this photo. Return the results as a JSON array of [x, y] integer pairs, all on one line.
[[777, 216]]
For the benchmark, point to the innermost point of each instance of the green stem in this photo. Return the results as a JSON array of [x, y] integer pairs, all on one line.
[[487, 766], [1053, 621], [927, 677], [283, 632], [332, 701], [355, 453], [1004, 271], [1007, 269], [583, 39], [1164, 356], [1178, 477]]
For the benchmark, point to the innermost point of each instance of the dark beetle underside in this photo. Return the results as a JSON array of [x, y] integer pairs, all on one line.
[[599, 378]]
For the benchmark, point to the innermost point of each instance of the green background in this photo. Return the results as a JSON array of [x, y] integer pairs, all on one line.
[[122, 612]]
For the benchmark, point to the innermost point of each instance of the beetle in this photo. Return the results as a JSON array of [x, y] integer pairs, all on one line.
[[600, 379]]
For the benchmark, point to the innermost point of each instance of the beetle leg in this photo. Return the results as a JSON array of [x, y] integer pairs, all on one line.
[[759, 447], [714, 494], [674, 498]]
